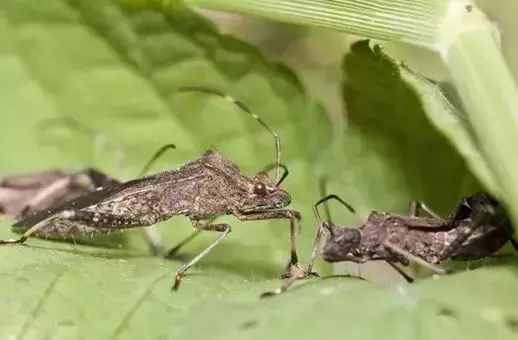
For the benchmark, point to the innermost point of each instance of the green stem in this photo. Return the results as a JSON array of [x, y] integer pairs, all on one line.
[[490, 95], [411, 21]]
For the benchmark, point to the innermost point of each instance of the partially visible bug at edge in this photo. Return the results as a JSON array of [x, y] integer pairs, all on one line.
[[22, 195], [201, 190], [477, 228], [26, 194]]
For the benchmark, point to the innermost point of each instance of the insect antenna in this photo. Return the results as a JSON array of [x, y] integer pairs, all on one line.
[[329, 197], [245, 108], [324, 224], [323, 191], [157, 155], [284, 174], [322, 183]]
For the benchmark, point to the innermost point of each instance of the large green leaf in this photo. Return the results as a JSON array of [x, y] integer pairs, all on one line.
[[456, 307], [63, 291], [118, 75], [116, 70], [390, 152]]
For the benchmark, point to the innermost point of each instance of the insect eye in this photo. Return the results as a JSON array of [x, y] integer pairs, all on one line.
[[260, 189]]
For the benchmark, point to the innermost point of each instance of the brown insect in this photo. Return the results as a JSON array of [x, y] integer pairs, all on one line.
[[201, 190], [477, 228]]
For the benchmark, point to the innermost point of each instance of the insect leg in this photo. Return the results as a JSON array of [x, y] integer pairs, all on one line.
[[294, 232], [152, 235], [222, 228], [176, 248], [417, 206], [316, 246], [197, 230], [66, 214], [293, 216], [155, 156], [396, 249], [287, 283], [296, 273]]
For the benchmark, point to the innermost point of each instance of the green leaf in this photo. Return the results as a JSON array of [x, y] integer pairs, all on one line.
[[463, 306], [59, 290], [390, 152], [65, 291], [451, 122], [416, 22], [116, 70], [118, 77]]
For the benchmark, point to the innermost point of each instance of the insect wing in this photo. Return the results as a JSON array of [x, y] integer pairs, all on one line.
[[90, 199]]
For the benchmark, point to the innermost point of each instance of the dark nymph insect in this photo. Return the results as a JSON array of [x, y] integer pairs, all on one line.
[[477, 228], [201, 190]]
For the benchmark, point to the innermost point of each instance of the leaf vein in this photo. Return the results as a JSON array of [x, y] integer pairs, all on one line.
[[129, 314], [39, 306]]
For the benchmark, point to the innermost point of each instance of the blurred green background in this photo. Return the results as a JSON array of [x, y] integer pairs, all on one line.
[[317, 54]]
